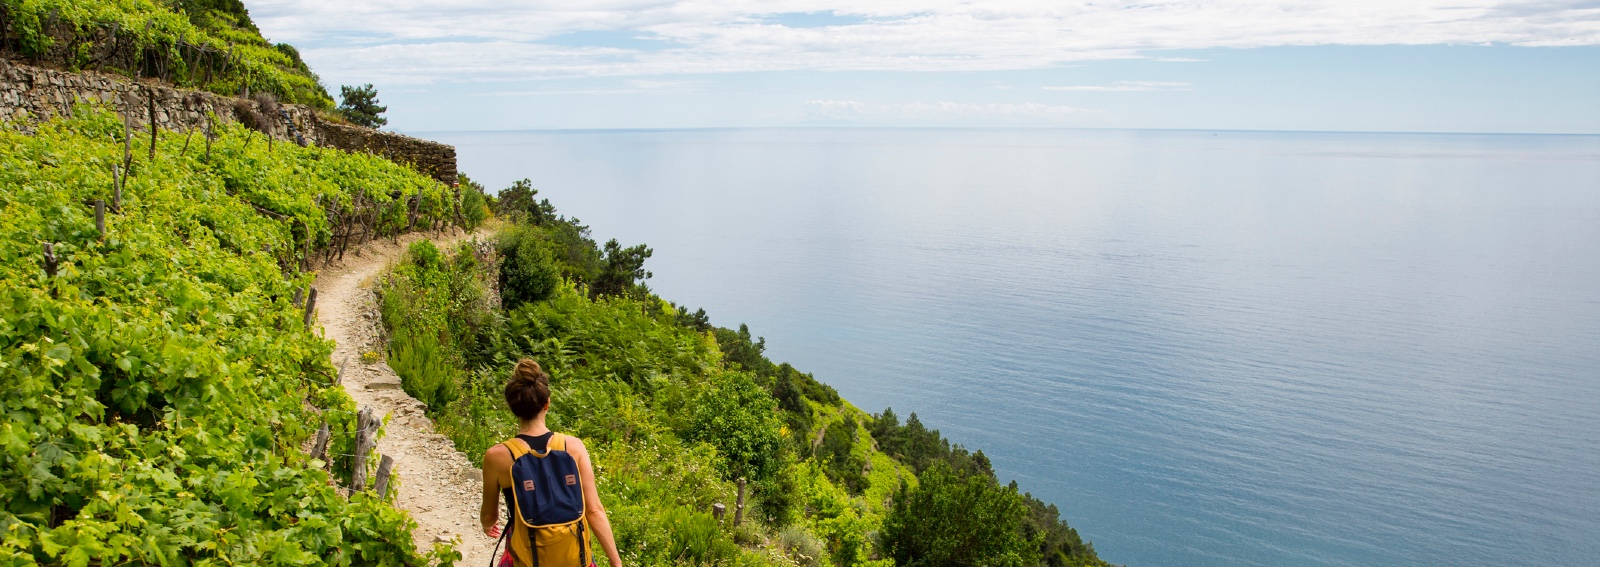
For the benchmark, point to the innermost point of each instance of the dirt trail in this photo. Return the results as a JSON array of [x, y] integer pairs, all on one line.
[[439, 486]]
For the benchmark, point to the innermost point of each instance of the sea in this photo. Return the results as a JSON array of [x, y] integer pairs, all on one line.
[[1206, 348]]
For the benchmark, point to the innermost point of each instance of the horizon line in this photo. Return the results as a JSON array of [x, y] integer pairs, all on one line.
[[843, 127]]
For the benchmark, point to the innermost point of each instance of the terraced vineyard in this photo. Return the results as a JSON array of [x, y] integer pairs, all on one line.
[[205, 44], [157, 379]]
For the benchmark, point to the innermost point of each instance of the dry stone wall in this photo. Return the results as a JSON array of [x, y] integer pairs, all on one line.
[[35, 93]]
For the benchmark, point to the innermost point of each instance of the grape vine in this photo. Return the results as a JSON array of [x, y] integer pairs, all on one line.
[[156, 390]]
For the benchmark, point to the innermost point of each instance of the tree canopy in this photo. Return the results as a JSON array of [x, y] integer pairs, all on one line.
[[951, 518], [360, 106]]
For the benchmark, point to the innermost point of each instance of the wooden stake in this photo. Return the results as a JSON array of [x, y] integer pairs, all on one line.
[[337, 380], [127, 144], [299, 296], [311, 307], [116, 188], [150, 95], [319, 449], [738, 507], [385, 470], [50, 259], [100, 217], [186, 139], [364, 430], [209, 137], [717, 510]]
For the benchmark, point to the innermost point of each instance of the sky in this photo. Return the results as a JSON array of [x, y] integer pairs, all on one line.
[[1318, 65]]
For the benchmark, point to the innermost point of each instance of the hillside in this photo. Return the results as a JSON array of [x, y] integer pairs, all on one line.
[[157, 379], [678, 411], [204, 44]]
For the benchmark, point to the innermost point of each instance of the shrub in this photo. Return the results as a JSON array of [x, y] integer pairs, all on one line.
[[696, 538], [527, 273], [956, 519], [426, 372], [801, 546]]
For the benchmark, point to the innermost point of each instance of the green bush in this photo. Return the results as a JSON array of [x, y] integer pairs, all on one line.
[[426, 372], [801, 546], [527, 272], [955, 519], [474, 205], [740, 419], [696, 538]]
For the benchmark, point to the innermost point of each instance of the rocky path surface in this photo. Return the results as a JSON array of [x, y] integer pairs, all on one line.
[[439, 485]]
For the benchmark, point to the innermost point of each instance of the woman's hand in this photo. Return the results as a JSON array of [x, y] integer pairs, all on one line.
[[492, 531]]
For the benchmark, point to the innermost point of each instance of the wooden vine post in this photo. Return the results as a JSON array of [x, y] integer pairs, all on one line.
[[100, 217], [319, 449], [116, 188], [738, 505], [718, 510], [337, 380], [311, 307], [50, 259], [150, 96], [209, 137], [366, 426], [385, 471], [127, 145]]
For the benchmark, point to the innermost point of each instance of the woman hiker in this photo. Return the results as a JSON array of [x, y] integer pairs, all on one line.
[[547, 481]]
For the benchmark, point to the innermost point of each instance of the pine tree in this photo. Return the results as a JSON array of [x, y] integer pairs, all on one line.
[[360, 106]]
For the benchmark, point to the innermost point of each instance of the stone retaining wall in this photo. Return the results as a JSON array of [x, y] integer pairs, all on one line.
[[36, 93]]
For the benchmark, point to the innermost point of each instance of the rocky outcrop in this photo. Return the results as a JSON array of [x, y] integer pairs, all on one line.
[[35, 93]]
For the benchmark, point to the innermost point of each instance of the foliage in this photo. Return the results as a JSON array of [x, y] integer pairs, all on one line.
[[920, 447], [957, 519], [156, 391], [839, 456], [696, 539], [801, 545], [425, 372], [360, 106], [528, 273], [622, 272], [474, 204], [740, 419], [675, 409], [437, 309], [1059, 544], [517, 204], [205, 44]]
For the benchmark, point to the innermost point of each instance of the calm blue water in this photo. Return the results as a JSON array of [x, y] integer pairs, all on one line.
[[1209, 348]]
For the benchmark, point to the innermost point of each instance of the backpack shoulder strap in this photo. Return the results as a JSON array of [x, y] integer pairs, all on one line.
[[517, 447], [558, 442]]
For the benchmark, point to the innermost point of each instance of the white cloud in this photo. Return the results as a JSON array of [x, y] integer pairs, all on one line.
[[946, 112], [397, 41], [1125, 86]]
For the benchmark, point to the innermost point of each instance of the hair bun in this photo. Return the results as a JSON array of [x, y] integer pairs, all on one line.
[[527, 371], [528, 391]]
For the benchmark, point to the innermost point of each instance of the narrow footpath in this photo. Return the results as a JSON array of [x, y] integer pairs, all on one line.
[[438, 485]]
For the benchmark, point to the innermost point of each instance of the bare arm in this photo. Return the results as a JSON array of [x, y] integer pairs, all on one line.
[[594, 511], [496, 464]]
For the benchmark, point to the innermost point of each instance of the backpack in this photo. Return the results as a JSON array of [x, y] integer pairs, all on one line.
[[547, 527]]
